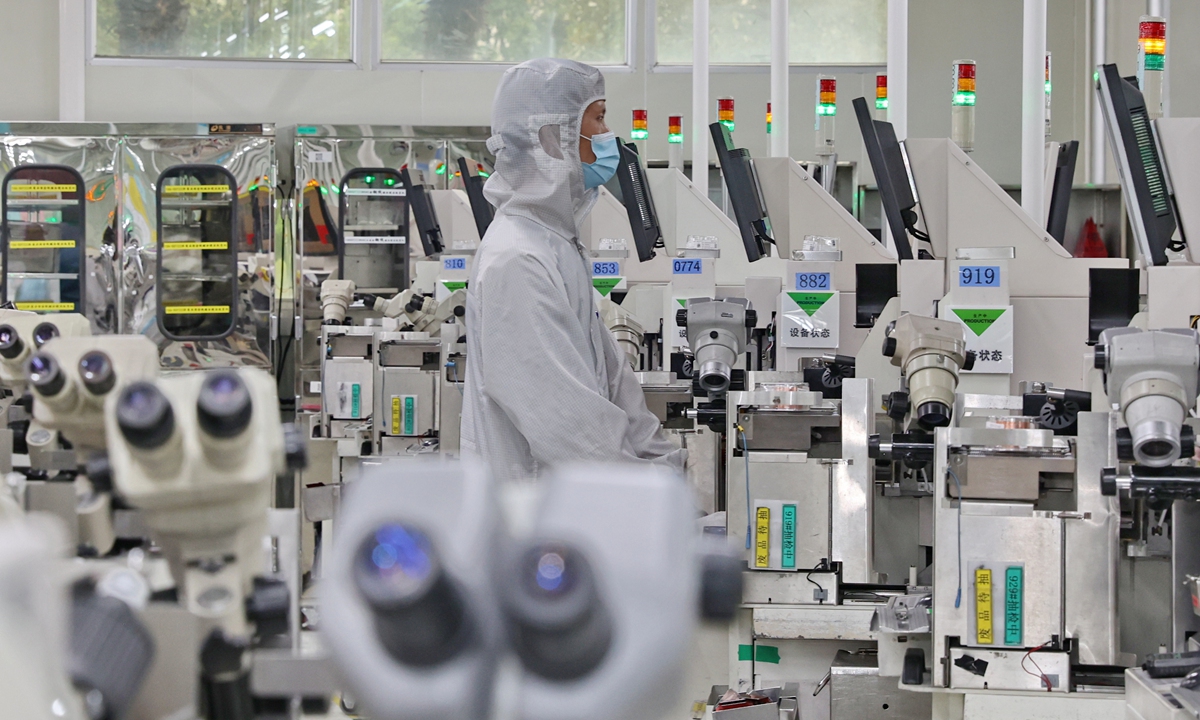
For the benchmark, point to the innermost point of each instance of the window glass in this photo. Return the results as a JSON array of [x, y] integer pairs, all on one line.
[[230, 29], [821, 32], [504, 31]]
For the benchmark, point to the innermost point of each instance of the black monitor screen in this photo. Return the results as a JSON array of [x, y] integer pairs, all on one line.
[[480, 207], [1151, 212], [1060, 193], [745, 195], [423, 213], [635, 192], [886, 156]]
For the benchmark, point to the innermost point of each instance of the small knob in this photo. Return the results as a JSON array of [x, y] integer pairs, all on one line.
[[751, 318], [889, 347], [969, 360], [1099, 355], [681, 317], [1108, 481]]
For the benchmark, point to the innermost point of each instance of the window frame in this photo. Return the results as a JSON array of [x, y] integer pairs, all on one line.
[[357, 60], [378, 63]]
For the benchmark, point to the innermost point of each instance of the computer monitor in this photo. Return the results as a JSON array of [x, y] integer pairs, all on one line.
[[1060, 193], [896, 192], [480, 207], [1135, 146], [423, 213], [745, 195], [635, 192]]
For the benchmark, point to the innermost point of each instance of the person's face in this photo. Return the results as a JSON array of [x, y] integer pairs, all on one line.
[[593, 124]]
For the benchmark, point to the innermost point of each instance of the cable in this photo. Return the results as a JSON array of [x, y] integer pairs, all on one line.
[[958, 485], [1029, 656], [749, 510], [454, 375]]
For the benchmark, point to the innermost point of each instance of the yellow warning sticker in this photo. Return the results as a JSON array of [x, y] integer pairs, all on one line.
[[46, 306], [33, 244], [191, 189], [41, 188], [195, 246], [197, 309], [762, 537], [983, 606]]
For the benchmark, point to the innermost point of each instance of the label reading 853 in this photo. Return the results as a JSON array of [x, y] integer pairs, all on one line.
[[454, 263], [687, 266], [607, 267], [979, 276], [812, 281]]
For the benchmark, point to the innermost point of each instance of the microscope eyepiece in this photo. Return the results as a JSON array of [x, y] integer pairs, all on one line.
[[224, 407], [10, 342], [44, 333], [145, 416], [96, 370], [45, 374]]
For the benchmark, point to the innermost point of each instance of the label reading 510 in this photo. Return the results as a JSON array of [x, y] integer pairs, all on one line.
[[979, 276], [687, 266], [812, 281], [454, 263], [606, 268]]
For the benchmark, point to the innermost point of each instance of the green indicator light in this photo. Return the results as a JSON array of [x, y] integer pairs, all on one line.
[[389, 181], [336, 189], [441, 169], [728, 125], [768, 128], [1047, 87], [639, 134], [827, 109], [324, 191], [676, 138], [964, 99], [881, 104], [369, 179], [1153, 62], [482, 174]]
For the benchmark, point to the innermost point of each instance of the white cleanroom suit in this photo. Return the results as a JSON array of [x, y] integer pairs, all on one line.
[[546, 382]]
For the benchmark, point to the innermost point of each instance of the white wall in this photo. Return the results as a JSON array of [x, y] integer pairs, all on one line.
[[988, 31]]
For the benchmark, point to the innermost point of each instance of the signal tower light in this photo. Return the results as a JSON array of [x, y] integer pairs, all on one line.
[[641, 125], [962, 105], [881, 94], [725, 112], [1152, 42], [768, 118], [826, 96], [675, 129]]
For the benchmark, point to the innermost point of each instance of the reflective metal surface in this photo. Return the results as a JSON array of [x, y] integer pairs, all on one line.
[[853, 496]]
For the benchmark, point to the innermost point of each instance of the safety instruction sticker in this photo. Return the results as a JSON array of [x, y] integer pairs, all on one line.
[[1014, 578], [375, 239], [762, 537], [788, 539], [196, 309], [40, 244], [46, 306], [810, 319], [377, 192], [41, 188], [605, 285], [404, 415], [989, 331], [983, 607], [193, 189], [189, 245]]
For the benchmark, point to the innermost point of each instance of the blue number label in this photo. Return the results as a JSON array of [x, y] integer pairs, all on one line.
[[687, 266], [812, 281], [454, 263], [979, 276], [606, 268]]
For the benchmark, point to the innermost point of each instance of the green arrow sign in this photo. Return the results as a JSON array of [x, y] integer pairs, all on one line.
[[809, 302], [605, 285], [682, 302], [453, 285], [979, 320]]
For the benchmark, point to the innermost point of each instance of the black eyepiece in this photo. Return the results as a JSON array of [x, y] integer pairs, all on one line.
[[10, 342], [145, 416], [44, 333], [96, 370], [45, 375], [224, 407]]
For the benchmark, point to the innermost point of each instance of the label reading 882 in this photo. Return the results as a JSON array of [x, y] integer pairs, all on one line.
[[454, 263], [979, 276], [812, 281], [687, 266], [607, 267]]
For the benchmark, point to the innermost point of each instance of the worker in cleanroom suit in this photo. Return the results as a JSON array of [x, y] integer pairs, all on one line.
[[546, 382]]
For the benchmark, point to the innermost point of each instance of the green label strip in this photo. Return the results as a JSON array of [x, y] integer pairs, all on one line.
[[758, 653], [809, 302], [1014, 578], [355, 400], [789, 536]]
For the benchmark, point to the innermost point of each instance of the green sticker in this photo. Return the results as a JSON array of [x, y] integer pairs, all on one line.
[[758, 653], [355, 400], [306, 130], [410, 415], [605, 285], [453, 285], [789, 536], [682, 302], [809, 302], [979, 320], [1013, 579]]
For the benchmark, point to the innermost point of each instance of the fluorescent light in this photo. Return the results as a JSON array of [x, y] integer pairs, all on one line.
[[285, 56], [231, 38], [322, 27], [281, 14], [263, 18]]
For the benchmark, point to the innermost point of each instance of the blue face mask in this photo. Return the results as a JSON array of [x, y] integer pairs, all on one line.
[[597, 173]]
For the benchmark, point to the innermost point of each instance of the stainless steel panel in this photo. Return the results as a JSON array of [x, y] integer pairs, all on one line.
[[782, 476], [1185, 560], [853, 496], [1004, 477], [407, 354], [857, 692], [766, 587], [1005, 671], [393, 382]]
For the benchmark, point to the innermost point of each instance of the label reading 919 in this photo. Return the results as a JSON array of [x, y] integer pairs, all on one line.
[[454, 263], [687, 266], [602, 268], [812, 281], [979, 276]]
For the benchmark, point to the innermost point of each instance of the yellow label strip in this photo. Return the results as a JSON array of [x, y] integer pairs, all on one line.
[[395, 414], [983, 606], [195, 246], [196, 310], [762, 537], [44, 188], [46, 306], [193, 189], [32, 244]]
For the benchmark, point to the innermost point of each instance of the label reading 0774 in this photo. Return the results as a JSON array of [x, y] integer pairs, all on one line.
[[606, 267], [812, 281], [687, 266], [454, 263], [979, 276]]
